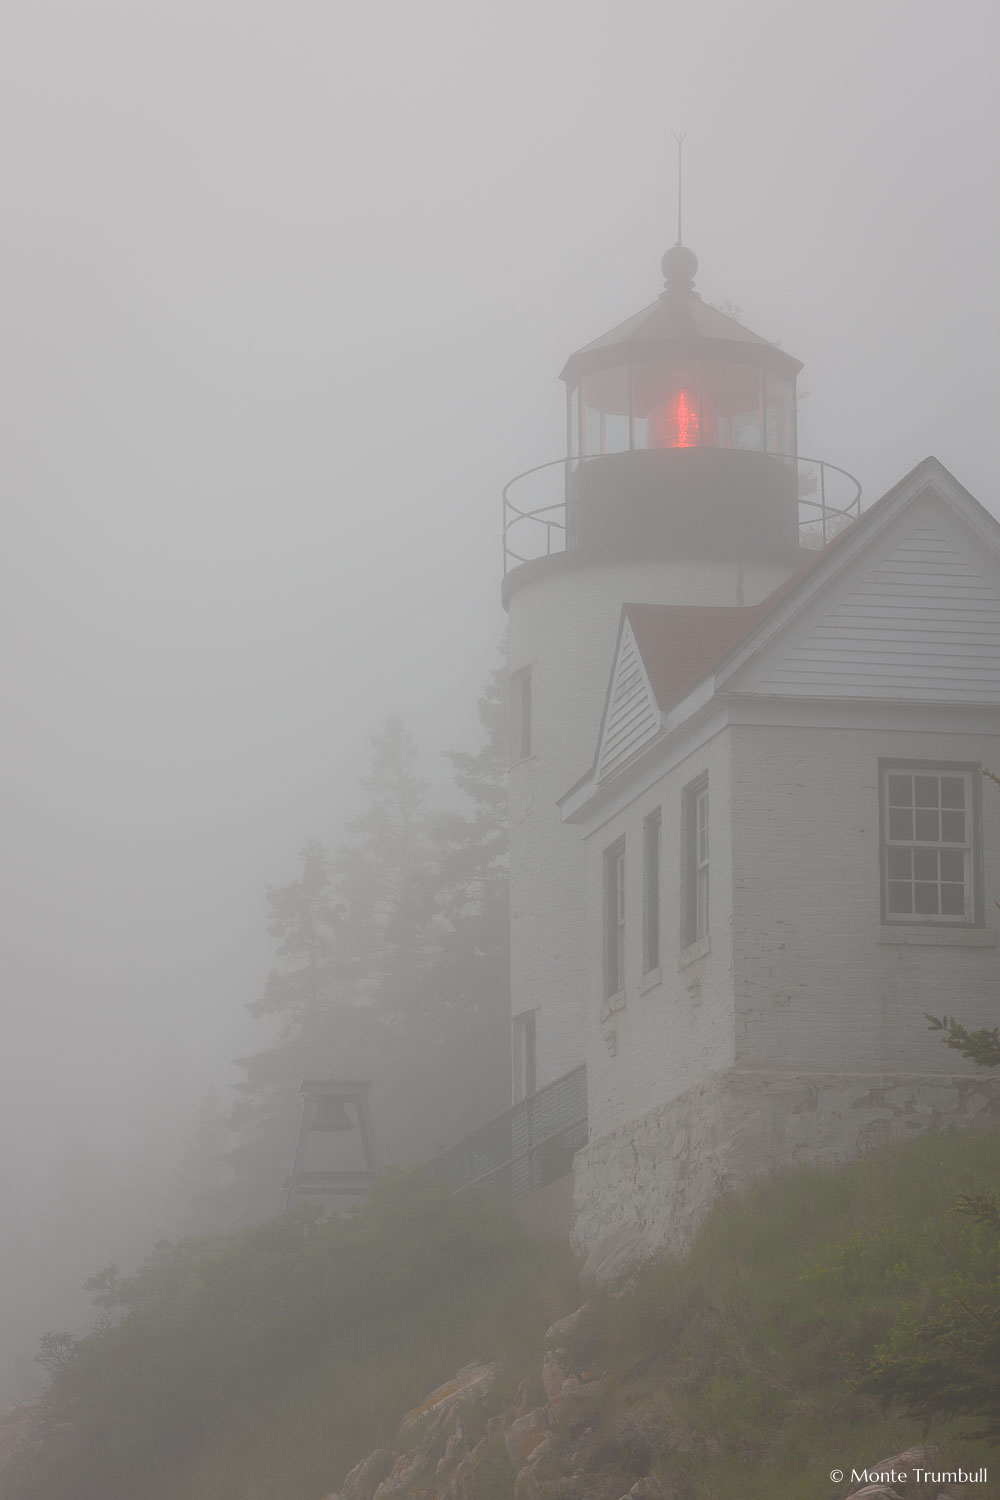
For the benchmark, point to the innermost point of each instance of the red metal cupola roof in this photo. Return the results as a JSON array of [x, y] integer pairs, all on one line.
[[678, 323]]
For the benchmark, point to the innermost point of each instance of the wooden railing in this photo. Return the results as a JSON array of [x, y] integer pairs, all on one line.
[[524, 1149]]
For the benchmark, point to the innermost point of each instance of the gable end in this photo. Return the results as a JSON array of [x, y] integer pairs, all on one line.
[[923, 625], [632, 718]]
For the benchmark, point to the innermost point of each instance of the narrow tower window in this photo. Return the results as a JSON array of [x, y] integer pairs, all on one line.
[[651, 893], [523, 1047], [614, 919], [520, 715]]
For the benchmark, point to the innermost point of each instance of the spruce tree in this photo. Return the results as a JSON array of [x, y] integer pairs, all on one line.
[[387, 880], [197, 1191], [472, 964], [306, 994], [392, 965]]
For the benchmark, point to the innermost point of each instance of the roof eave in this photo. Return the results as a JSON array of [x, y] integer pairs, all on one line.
[[589, 795], [588, 360]]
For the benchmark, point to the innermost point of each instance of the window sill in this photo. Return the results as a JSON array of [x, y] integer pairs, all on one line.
[[650, 981], [946, 937], [696, 950], [611, 1004]]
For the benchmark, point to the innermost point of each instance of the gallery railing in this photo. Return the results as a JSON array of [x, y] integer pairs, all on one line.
[[524, 1149], [828, 498]]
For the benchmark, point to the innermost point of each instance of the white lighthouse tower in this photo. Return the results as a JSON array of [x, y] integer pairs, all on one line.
[[680, 485]]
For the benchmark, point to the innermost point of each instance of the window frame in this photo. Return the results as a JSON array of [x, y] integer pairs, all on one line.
[[524, 1056], [974, 914], [696, 854], [652, 856], [615, 915]]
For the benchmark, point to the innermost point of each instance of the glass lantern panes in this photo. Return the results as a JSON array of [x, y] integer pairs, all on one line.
[[732, 398], [779, 406], [605, 411], [682, 404]]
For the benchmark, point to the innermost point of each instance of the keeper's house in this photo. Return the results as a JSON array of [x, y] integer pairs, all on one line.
[[791, 853]]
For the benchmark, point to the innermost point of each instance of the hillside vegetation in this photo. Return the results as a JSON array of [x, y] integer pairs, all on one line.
[[266, 1366]]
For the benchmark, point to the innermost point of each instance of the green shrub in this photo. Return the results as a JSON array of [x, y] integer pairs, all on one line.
[[213, 1335]]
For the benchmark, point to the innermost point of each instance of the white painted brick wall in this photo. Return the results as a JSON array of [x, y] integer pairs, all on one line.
[[815, 987], [668, 1036], [564, 626]]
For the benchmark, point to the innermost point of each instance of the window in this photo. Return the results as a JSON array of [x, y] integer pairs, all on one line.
[[614, 919], [694, 908], [523, 1050], [651, 893], [929, 821], [520, 715]]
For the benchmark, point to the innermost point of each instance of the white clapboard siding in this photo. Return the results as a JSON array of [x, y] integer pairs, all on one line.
[[923, 626], [632, 717]]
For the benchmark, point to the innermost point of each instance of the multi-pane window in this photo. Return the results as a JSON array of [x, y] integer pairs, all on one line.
[[695, 910], [927, 840], [651, 893], [614, 919], [520, 715]]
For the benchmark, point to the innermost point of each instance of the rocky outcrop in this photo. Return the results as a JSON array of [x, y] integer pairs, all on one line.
[[468, 1438], [465, 1429]]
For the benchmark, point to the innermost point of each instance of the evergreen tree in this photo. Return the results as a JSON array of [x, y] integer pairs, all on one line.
[[306, 994], [387, 882], [473, 860], [392, 965], [349, 991], [305, 923], [472, 964], [198, 1186]]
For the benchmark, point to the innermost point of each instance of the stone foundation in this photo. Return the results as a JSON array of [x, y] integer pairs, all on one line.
[[645, 1186]]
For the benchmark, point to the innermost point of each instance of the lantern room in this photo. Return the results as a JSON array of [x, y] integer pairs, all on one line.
[[681, 374], [681, 418]]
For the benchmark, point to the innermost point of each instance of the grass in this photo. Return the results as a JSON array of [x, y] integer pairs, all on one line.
[[728, 1373], [336, 1412], [731, 1371]]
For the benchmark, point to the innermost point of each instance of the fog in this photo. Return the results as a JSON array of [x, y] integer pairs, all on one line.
[[286, 293]]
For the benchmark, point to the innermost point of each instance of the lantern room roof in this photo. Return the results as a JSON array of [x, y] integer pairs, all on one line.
[[678, 325]]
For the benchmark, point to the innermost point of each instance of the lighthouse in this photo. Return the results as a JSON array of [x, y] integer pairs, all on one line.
[[681, 484], [754, 826]]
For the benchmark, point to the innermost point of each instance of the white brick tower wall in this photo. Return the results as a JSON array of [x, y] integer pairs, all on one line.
[[563, 626]]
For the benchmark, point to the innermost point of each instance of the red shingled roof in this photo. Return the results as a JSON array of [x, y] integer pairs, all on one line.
[[681, 643]]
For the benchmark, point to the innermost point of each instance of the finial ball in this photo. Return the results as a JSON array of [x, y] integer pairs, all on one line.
[[679, 263]]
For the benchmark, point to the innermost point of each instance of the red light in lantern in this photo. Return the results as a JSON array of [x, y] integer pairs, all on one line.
[[687, 422], [676, 425]]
